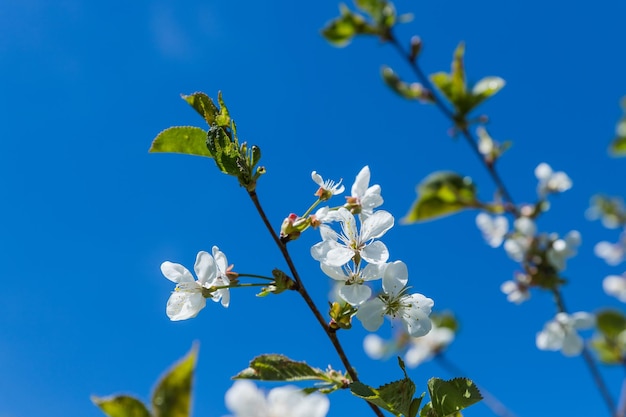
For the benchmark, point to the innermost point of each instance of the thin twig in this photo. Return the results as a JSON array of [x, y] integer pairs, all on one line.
[[332, 335]]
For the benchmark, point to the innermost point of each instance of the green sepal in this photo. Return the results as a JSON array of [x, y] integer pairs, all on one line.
[[172, 396], [203, 105], [447, 398], [395, 397], [121, 406], [181, 139], [341, 30], [440, 194], [275, 367]]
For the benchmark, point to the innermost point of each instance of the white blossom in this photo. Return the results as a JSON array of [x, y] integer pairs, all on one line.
[[327, 188], [351, 281], [494, 229], [244, 399], [615, 285], [517, 290], [518, 244], [412, 309], [551, 182], [364, 199], [612, 253], [187, 299], [338, 249], [375, 346], [562, 249], [561, 333], [422, 349]]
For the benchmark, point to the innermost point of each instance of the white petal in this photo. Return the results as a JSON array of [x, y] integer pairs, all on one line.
[[338, 256], [376, 252], [205, 268], [376, 225], [395, 277], [220, 260], [572, 344], [184, 305], [583, 320], [543, 171], [551, 337], [320, 250], [176, 272], [335, 272], [317, 178], [348, 224], [417, 354], [355, 294], [371, 314], [416, 319], [372, 272], [246, 400], [361, 182], [525, 226], [615, 285], [289, 401], [374, 346]]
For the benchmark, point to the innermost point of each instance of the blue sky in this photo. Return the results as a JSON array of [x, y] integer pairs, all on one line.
[[89, 215]]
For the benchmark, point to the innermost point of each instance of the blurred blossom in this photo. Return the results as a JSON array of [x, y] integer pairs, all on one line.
[[364, 199], [518, 244], [615, 285], [562, 249], [422, 349], [551, 182], [560, 333], [517, 291], [612, 253], [493, 228], [244, 399], [375, 346]]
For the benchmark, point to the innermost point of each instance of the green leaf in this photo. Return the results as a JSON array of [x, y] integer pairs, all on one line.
[[172, 396], [611, 323], [121, 406], [203, 105], [618, 146], [608, 351], [457, 74], [225, 151], [440, 194], [486, 88], [414, 91], [182, 139], [274, 367], [395, 397], [449, 397]]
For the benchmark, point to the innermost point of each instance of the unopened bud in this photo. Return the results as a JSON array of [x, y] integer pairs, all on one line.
[[416, 47]]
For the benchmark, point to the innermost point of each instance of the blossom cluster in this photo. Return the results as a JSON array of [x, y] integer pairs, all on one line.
[[354, 256]]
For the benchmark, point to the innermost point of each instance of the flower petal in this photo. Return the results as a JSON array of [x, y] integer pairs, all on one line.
[[371, 314], [184, 305], [361, 182], [205, 268], [335, 272], [395, 278], [375, 253], [376, 225], [246, 400], [220, 260], [176, 272], [355, 294]]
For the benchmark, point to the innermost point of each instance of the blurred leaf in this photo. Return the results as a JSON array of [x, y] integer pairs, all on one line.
[[618, 146], [457, 74], [172, 396], [121, 406], [607, 350], [274, 367], [445, 319], [182, 139], [342, 29], [203, 105], [440, 194], [611, 322], [486, 88], [414, 91], [449, 397]]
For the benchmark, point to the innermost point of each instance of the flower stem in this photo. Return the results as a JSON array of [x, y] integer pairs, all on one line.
[[490, 400], [255, 276], [332, 335]]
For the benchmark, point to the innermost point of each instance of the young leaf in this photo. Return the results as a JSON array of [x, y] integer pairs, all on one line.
[[172, 396], [203, 105], [449, 397], [340, 31], [274, 367], [440, 194], [121, 406], [181, 139], [611, 322], [486, 88]]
